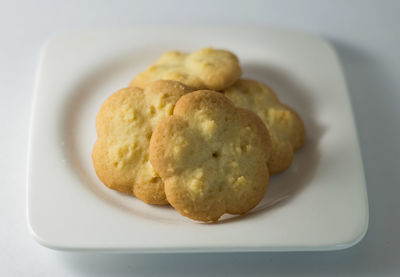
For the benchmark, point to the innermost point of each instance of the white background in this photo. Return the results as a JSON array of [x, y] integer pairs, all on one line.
[[367, 38]]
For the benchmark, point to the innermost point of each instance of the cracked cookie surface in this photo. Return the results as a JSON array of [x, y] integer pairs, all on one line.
[[212, 156], [207, 68], [124, 126], [284, 124]]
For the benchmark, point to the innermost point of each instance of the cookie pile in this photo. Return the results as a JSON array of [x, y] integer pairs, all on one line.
[[189, 132]]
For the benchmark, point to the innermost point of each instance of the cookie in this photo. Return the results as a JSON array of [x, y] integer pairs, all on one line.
[[207, 68], [212, 156], [124, 125], [284, 124]]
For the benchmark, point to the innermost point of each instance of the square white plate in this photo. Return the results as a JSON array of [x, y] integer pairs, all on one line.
[[320, 203]]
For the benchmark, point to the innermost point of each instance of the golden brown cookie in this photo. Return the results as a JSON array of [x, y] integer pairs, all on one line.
[[125, 124], [212, 156], [207, 68], [284, 124]]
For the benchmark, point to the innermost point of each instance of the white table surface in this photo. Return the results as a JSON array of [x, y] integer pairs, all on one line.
[[367, 38]]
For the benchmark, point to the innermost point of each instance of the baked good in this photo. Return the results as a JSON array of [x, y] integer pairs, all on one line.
[[207, 68], [284, 124], [124, 125], [212, 156]]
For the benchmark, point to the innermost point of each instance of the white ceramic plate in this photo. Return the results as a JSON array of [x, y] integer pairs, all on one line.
[[320, 203]]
